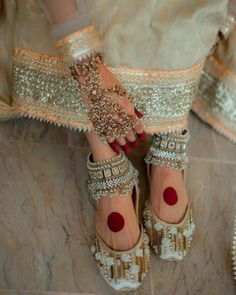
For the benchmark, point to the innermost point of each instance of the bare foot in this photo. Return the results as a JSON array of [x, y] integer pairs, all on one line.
[[168, 194]]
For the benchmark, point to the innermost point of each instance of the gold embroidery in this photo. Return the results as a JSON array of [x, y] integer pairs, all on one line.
[[44, 89], [215, 103], [165, 97]]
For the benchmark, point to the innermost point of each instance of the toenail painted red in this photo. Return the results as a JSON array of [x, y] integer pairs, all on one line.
[[115, 221], [141, 136], [138, 113], [133, 144], [170, 196]]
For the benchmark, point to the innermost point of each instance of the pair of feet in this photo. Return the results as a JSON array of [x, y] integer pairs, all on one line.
[[168, 196]]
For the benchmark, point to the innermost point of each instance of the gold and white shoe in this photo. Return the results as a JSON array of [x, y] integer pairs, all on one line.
[[122, 270], [169, 241]]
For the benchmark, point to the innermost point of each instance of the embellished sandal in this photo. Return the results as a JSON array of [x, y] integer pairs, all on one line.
[[169, 241], [122, 270]]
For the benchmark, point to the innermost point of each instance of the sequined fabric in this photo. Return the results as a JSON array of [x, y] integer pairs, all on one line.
[[122, 269], [165, 97], [169, 241], [144, 37], [221, 99], [44, 89], [215, 104]]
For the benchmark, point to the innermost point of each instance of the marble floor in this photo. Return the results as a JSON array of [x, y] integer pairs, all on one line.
[[46, 218]]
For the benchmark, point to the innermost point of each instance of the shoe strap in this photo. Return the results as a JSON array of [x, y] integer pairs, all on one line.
[[169, 150], [112, 177]]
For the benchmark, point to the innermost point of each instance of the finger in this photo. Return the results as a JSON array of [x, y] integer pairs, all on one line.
[[115, 146], [126, 148], [141, 136], [132, 139], [138, 113], [130, 136], [124, 145], [121, 141], [139, 127], [139, 131]]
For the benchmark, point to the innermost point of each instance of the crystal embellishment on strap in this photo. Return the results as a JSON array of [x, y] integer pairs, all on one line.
[[116, 176], [169, 241], [169, 150], [122, 268]]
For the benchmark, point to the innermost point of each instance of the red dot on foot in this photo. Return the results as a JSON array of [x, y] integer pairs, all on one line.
[[170, 196], [115, 221]]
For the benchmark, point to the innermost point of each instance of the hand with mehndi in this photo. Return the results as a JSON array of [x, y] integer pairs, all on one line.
[[111, 111]]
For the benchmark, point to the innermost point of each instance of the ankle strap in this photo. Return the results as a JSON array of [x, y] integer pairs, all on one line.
[[112, 177], [169, 150]]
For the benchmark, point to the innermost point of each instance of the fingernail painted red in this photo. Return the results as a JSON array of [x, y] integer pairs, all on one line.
[[141, 136], [134, 144], [138, 113], [170, 196], [115, 146], [126, 148]]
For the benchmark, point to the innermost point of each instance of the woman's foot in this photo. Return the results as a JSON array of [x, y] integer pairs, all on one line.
[[120, 247], [119, 231], [116, 221], [167, 215], [168, 194]]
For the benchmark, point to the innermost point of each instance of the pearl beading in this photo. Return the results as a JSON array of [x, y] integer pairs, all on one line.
[[115, 176], [169, 150]]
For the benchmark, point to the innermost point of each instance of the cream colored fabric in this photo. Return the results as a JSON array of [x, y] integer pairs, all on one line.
[[216, 100], [147, 35], [157, 34], [67, 22], [226, 52], [22, 24]]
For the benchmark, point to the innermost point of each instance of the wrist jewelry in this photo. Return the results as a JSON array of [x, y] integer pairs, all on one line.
[[82, 54]]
